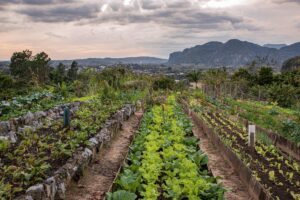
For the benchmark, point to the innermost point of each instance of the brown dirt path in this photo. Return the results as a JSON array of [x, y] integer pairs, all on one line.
[[219, 167], [101, 174]]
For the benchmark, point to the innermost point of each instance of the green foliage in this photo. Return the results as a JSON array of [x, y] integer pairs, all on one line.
[[4, 145], [34, 102], [163, 83], [30, 69], [38, 152], [267, 160], [58, 75], [242, 73], [73, 71], [265, 76], [291, 64], [121, 195], [164, 160], [6, 81], [194, 76]]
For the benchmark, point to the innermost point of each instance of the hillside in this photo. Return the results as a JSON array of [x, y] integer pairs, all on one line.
[[112, 61], [233, 53], [275, 46], [291, 64]]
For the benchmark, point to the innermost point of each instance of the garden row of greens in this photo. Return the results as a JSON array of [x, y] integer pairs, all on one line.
[[165, 162], [36, 101], [279, 176], [90, 83], [39, 153], [283, 121]]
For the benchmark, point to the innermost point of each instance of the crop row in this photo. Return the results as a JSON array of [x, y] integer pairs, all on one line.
[[38, 153], [165, 161], [267, 115], [279, 175], [34, 102]]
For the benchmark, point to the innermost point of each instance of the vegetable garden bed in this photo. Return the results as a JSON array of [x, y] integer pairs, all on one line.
[[267, 173], [284, 142], [40, 154], [165, 161]]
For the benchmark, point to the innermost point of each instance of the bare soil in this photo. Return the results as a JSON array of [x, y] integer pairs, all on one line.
[[99, 177], [219, 167]]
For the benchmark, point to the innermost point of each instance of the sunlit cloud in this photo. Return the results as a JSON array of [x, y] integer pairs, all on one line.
[[224, 3]]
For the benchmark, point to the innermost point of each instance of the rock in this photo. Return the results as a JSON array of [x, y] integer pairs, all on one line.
[[87, 153], [35, 124], [94, 141], [4, 127], [12, 137], [29, 117], [28, 197], [61, 191], [36, 192], [39, 115], [12, 124], [104, 135], [50, 188]]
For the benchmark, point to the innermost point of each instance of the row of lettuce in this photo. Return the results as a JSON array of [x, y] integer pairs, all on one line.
[[165, 162], [38, 153], [278, 174]]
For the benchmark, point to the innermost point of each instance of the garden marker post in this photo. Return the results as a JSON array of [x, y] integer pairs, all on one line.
[[251, 136], [67, 117]]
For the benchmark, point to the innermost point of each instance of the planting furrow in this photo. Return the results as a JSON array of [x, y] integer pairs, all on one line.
[[99, 177], [220, 168]]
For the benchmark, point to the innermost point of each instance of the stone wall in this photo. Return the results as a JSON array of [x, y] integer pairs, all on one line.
[[54, 187], [9, 129]]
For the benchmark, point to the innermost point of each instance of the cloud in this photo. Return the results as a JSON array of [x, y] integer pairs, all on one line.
[[35, 2], [178, 14], [175, 14], [61, 13], [150, 5], [286, 1], [54, 35]]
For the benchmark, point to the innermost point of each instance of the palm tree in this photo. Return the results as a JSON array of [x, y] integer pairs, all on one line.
[[194, 76]]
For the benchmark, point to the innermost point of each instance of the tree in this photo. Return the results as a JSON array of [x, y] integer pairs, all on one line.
[[27, 68], [163, 83], [40, 67], [58, 75], [20, 65], [6, 81], [265, 76], [215, 78], [72, 72], [242, 73], [194, 76]]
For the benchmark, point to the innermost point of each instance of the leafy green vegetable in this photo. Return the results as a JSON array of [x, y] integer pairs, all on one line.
[[121, 195]]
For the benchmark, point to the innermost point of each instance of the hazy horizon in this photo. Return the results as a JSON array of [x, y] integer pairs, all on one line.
[[76, 29]]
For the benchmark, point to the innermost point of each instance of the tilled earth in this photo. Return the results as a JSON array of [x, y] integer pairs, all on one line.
[[219, 167], [99, 177]]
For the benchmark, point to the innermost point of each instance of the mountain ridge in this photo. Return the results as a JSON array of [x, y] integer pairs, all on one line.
[[233, 53]]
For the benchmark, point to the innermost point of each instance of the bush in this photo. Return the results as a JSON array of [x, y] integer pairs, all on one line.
[[163, 83]]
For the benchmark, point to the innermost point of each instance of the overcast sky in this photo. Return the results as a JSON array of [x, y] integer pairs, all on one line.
[[67, 29]]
